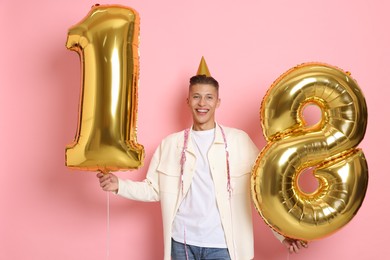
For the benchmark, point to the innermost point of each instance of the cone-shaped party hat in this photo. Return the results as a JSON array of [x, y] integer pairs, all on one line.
[[203, 69]]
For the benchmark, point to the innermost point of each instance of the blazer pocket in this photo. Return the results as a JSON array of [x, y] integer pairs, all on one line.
[[169, 178], [240, 179]]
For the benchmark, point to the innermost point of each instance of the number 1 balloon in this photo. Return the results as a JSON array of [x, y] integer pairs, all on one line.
[[107, 43], [329, 147]]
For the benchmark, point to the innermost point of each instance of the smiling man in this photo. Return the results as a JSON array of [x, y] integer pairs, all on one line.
[[203, 100], [201, 176]]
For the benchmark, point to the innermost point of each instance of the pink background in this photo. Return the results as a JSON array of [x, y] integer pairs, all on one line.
[[51, 212]]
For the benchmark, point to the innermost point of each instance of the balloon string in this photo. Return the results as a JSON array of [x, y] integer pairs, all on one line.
[[108, 227]]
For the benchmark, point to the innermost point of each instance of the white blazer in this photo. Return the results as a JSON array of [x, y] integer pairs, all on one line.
[[163, 184]]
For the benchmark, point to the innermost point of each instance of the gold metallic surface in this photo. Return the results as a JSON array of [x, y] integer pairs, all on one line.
[[203, 69], [107, 43], [329, 147]]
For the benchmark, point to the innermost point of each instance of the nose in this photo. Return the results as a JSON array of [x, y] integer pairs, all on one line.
[[202, 101]]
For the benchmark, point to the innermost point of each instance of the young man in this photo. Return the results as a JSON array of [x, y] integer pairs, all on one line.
[[201, 176]]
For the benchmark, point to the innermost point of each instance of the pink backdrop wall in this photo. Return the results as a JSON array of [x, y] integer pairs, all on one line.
[[50, 212]]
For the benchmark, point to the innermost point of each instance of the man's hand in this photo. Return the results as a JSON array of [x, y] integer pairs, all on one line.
[[294, 245], [108, 181]]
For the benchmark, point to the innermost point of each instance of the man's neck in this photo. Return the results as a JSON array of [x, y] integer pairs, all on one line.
[[203, 127]]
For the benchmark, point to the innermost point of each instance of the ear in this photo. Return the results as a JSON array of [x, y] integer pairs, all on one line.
[[218, 102]]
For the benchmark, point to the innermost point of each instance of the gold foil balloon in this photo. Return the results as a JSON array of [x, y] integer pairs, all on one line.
[[293, 147], [107, 43]]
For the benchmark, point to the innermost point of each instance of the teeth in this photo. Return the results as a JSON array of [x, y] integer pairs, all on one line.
[[202, 110]]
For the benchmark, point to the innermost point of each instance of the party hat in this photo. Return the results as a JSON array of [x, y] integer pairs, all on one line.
[[203, 69]]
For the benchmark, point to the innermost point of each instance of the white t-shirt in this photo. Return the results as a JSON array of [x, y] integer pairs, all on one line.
[[197, 221]]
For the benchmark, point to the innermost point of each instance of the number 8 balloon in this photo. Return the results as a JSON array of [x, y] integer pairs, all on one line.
[[107, 43], [329, 147]]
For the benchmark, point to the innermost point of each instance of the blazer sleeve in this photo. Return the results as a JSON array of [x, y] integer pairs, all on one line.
[[146, 190]]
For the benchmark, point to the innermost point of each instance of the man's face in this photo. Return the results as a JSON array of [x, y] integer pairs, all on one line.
[[203, 100]]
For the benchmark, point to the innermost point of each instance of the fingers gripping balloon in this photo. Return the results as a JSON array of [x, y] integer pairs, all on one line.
[[329, 147], [107, 43]]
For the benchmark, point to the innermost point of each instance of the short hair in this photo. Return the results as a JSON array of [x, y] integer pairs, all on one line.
[[203, 79]]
